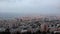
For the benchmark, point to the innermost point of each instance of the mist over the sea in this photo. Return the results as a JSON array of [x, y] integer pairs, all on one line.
[[12, 8]]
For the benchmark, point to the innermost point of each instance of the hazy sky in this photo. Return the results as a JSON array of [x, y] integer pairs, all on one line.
[[30, 6]]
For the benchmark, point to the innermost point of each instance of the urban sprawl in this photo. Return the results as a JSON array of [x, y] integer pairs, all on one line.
[[31, 25]]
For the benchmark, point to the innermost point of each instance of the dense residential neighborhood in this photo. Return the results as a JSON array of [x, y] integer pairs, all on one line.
[[31, 25]]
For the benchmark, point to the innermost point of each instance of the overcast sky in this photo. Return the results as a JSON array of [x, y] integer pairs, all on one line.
[[30, 6]]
